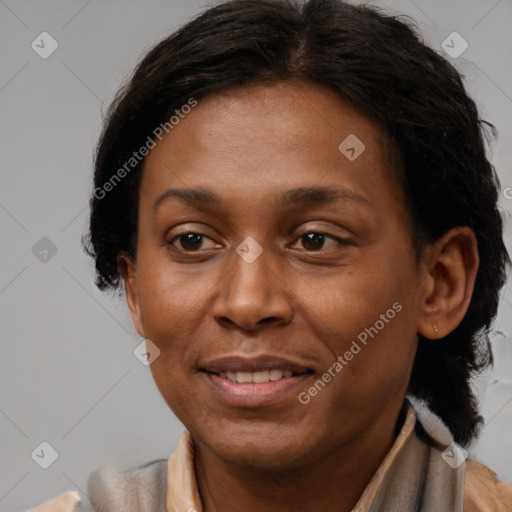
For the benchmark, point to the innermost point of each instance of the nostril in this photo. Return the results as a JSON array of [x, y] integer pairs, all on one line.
[[249, 326], [227, 322]]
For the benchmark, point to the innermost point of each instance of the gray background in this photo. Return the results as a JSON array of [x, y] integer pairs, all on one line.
[[68, 373]]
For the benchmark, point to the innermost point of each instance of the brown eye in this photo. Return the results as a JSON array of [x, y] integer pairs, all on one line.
[[190, 241], [313, 241], [316, 241]]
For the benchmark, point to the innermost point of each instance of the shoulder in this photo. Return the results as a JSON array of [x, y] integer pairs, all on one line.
[[141, 487], [65, 502], [115, 487], [483, 492]]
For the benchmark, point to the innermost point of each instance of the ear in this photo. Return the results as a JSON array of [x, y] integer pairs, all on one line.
[[128, 272], [450, 268]]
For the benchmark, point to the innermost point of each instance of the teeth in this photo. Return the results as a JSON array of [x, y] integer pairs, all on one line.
[[276, 374], [261, 376], [257, 377], [243, 377]]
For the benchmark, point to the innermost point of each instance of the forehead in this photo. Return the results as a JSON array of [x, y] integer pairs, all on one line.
[[255, 138]]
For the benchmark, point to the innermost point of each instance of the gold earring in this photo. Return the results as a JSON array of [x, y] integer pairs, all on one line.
[[436, 330]]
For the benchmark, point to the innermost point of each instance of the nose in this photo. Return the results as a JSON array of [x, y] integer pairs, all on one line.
[[252, 295]]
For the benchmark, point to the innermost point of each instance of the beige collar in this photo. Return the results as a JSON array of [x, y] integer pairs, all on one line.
[[183, 493]]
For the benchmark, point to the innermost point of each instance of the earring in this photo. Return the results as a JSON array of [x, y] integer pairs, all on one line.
[[436, 330]]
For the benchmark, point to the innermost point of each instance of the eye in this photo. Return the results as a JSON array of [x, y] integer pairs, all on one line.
[[316, 240], [190, 241]]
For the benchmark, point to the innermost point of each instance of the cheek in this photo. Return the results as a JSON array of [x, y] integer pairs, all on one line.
[[354, 299], [366, 316], [180, 391], [168, 311], [168, 299], [371, 356], [372, 331]]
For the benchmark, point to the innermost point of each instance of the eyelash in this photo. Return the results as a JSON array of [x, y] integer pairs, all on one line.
[[341, 241]]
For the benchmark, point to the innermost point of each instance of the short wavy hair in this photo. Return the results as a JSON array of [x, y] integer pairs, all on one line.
[[377, 62]]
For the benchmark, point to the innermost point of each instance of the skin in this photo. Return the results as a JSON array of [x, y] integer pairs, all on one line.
[[297, 300]]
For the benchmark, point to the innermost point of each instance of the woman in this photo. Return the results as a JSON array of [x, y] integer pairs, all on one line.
[[296, 200]]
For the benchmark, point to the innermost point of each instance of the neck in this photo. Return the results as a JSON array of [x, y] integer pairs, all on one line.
[[334, 480]]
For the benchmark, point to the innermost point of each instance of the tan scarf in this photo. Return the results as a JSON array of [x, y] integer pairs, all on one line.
[[420, 478]]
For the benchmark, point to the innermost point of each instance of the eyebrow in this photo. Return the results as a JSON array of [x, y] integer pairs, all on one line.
[[201, 198]]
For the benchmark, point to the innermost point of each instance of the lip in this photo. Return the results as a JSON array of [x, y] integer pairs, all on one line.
[[253, 364], [251, 395]]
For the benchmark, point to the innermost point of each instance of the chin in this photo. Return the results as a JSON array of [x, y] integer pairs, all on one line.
[[264, 457], [265, 447]]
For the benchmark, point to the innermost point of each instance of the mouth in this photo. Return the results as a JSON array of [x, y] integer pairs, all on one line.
[[258, 377], [254, 382]]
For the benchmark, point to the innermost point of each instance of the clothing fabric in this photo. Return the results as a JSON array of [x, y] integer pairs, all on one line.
[[424, 471]]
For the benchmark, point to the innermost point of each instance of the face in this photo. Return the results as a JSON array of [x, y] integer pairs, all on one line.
[[268, 254]]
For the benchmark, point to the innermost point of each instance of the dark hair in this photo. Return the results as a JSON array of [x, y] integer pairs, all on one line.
[[379, 64]]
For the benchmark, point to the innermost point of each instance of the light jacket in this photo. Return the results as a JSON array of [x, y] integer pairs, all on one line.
[[424, 471]]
